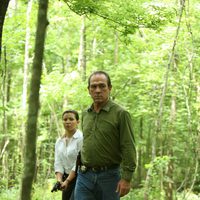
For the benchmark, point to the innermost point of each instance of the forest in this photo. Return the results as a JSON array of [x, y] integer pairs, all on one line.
[[150, 49]]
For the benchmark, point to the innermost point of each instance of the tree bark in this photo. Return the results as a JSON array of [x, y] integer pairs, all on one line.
[[31, 129], [82, 50], [140, 152], [116, 50], [3, 9], [25, 77], [170, 153], [5, 93], [26, 56]]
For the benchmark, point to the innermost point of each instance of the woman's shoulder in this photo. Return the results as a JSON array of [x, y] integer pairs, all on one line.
[[59, 140], [78, 134]]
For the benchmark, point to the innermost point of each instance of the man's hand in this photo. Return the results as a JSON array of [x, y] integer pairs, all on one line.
[[123, 187]]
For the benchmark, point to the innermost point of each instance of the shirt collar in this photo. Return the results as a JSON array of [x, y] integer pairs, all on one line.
[[106, 107], [76, 134]]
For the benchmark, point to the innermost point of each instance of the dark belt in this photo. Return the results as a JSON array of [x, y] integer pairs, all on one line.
[[84, 168]]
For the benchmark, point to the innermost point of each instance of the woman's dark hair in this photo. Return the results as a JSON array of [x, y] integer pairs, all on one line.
[[100, 72], [71, 111]]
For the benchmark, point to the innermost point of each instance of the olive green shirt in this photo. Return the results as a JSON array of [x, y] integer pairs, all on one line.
[[108, 139]]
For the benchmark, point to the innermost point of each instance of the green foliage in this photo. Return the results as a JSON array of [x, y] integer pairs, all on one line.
[[126, 16], [83, 6], [9, 194], [43, 191], [158, 164], [142, 33], [157, 169]]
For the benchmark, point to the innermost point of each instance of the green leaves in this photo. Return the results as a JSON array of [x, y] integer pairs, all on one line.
[[126, 16], [82, 7]]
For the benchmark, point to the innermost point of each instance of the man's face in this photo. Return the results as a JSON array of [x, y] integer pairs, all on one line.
[[99, 89]]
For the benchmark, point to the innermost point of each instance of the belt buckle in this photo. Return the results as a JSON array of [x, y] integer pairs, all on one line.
[[83, 168], [98, 169]]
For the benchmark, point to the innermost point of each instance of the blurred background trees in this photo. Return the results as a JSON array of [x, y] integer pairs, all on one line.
[[151, 51]]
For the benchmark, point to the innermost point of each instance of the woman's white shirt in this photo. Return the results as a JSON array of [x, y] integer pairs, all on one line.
[[66, 151]]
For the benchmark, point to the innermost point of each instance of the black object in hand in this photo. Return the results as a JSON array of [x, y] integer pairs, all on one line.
[[56, 187]]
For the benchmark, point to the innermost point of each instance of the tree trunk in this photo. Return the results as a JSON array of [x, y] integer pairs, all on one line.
[[158, 122], [82, 50], [25, 79], [26, 57], [116, 51], [140, 152], [5, 93], [30, 140], [170, 169], [198, 124], [3, 9]]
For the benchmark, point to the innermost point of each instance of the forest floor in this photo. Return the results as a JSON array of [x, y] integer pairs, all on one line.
[[44, 193]]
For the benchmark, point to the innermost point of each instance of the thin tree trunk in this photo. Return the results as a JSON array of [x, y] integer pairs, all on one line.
[[170, 169], [158, 121], [197, 142], [198, 124], [26, 57], [25, 79], [116, 50], [4, 93], [82, 50], [30, 142], [140, 152], [94, 41], [54, 120], [149, 172]]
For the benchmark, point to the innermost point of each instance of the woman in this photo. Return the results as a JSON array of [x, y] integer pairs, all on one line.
[[66, 151]]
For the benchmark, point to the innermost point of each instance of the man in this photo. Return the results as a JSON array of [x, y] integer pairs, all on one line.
[[108, 145]]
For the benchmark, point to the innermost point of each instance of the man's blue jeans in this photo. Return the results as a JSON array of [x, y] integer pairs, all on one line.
[[97, 185]]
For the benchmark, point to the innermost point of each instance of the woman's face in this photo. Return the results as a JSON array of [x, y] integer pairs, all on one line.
[[70, 122]]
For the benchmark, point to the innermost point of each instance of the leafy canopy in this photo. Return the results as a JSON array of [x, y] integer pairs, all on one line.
[[126, 16]]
